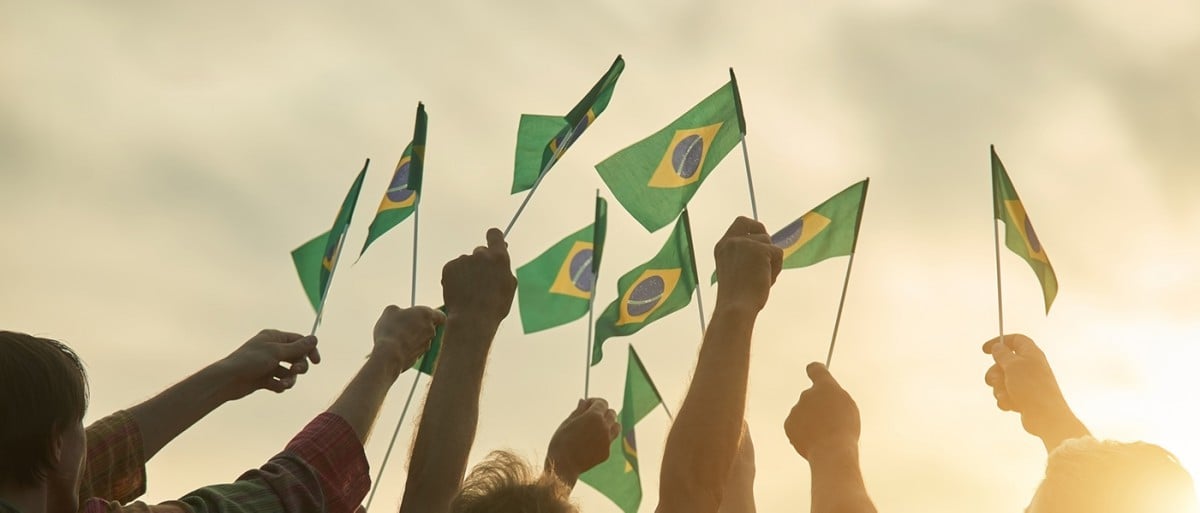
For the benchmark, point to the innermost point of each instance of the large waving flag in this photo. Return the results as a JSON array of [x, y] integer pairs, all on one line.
[[656, 177], [317, 258], [557, 286], [1019, 235], [827, 231], [650, 291], [618, 477], [400, 199], [542, 140]]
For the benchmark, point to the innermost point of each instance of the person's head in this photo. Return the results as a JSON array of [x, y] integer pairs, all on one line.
[[43, 397], [504, 483], [1085, 475]]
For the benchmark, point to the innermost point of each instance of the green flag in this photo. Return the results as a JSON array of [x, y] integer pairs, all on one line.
[[827, 231], [542, 140], [650, 291], [1019, 235], [556, 287], [317, 258], [656, 177], [618, 477], [400, 199], [427, 363]]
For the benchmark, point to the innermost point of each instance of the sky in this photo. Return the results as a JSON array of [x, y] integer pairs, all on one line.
[[159, 161]]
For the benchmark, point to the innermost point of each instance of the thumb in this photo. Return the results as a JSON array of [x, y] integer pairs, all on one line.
[[291, 351], [819, 374], [495, 240]]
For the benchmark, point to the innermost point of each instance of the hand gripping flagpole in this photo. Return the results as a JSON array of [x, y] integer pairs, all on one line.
[[546, 168], [996, 236], [837, 322], [737, 97]]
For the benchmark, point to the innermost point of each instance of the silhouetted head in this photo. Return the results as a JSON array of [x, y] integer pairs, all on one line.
[[504, 483], [1085, 475], [43, 397]]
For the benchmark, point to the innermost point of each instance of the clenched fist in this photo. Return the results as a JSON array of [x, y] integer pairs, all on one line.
[[403, 334], [825, 416], [482, 283], [747, 265]]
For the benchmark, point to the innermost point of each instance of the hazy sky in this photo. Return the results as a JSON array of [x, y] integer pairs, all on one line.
[[158, 162]]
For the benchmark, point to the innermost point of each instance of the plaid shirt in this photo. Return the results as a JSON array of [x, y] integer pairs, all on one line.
[[322, 470]]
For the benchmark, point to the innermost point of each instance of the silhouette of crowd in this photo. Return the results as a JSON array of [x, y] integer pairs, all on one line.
[[50, 463]]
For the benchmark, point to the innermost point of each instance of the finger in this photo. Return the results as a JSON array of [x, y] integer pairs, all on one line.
[[1002, 355], [315, 355], [1021, 345], [610, 416], [299, 366], [614, 431], [744, 226], [1004, 402], [437, 317], [820, 375], [495, 240], [994, 376], [776, 262], [987, 346], [295, 350], [760, 237], [282, 372]]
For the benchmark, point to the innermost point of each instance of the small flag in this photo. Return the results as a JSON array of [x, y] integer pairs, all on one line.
[[400, 199], [1019, 235], [557, 286], [656, 177], [651, 291], [316, 259], [827, 231], [428, 362], [542, 140], [618, 477]]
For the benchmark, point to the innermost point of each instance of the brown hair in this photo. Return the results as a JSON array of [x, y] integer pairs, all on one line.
[[43, 389], [504, 483]]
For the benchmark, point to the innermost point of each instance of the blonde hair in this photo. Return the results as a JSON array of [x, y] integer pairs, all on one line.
[[1085, 475], [504, 483]]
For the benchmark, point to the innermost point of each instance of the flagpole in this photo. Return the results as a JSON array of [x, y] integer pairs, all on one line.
[[587, 361], [841, 303], [417, 378], [536, 183], [328, 285], [749, 179], [996, 237]]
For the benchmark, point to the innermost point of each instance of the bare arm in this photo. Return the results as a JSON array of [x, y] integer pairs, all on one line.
[[824, 427], [256, 365], [704, 437], [1022, 381], [739, 486], [478, 290]]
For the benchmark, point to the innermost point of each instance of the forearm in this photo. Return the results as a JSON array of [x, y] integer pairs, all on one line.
[[703, 440], [837, 483], [360, 402], [739, 487], [1066, 427], [168, 414], [447, 428], [567, 477]]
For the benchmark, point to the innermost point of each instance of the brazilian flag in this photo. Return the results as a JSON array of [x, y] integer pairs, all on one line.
[[557, 286], [1019, 235], [650, 291], [427, 363], [400, 199], [542, 140], [827, 231], [656, 177], [317, 258], [618, 477]]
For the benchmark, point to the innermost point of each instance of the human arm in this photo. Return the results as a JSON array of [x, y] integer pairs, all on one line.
[[1022, 381], [739, 486], [257, 364], [478, 290], [582, 440], [824, 427], [704, 437]]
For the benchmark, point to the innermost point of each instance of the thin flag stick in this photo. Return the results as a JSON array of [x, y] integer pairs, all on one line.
[[749, 179], [687, 229], [700, 308], [996, 236], [536, 183], [413, 390], [328, 285], [841, 303], [587, 361]]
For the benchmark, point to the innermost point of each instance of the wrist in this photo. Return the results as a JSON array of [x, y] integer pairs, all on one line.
[[386, 362], [838, 451], [221, 380], [736, 308]]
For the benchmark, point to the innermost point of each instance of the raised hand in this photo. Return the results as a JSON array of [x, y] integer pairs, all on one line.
[[259, 363], [481, 284], [824, 417], [582, 441], [403, 334], [1022, 381], [747, 265]]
